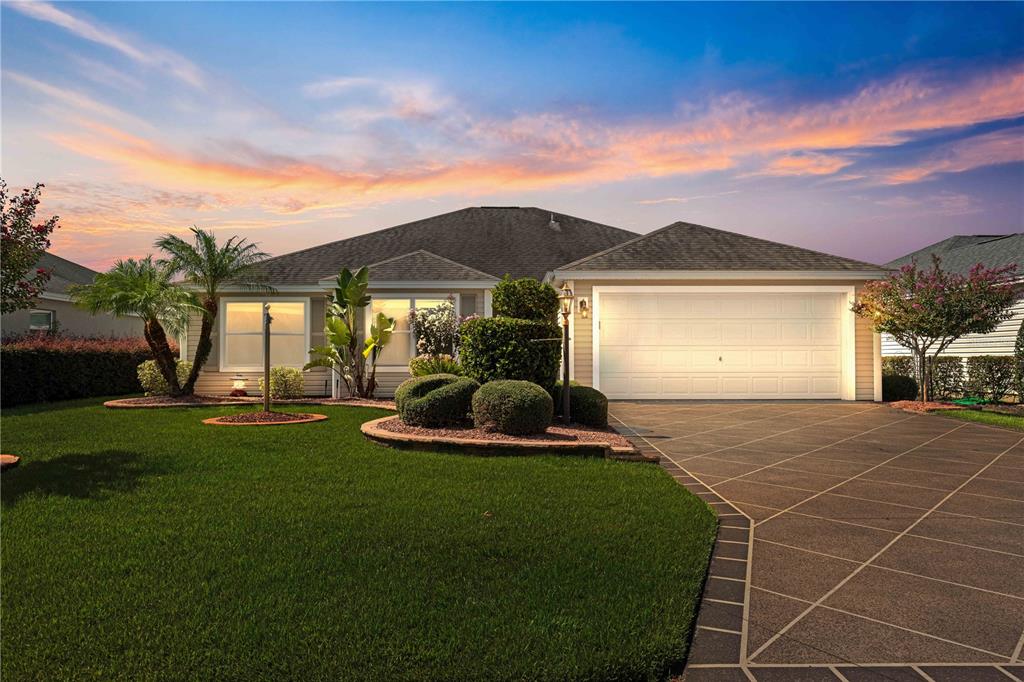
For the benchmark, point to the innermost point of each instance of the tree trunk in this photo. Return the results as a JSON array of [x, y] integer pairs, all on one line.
[[204, 346], [162, 355], [922, 362]]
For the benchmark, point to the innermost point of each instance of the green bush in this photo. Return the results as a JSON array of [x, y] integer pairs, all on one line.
[[896, 387], [516, 408], [496, 348], [587, 406], [899, 365], [285, 383], [525, 299], [947, 377], [425, 365], [435, 400], [44, 367], [152, 380], [990, 376]]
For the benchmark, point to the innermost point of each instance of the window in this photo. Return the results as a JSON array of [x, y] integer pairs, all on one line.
[[40, 320], [242, 339], [402, 346]]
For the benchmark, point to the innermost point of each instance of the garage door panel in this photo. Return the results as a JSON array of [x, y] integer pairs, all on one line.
[[720, 345]]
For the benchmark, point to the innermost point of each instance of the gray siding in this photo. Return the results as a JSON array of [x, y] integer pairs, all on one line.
[[998, 342], [73, 321]]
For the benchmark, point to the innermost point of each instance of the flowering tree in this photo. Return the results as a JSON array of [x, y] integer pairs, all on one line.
[[925, 310], [436, 329], [22, 243]]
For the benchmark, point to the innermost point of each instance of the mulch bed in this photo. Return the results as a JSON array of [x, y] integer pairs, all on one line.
[[8, 462], [921, 408], [573, 433], [156, 401], [262, 418]]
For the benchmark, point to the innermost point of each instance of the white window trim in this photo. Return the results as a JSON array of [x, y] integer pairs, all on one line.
[[222, 317], [848, 321], [368, 316], [34, 311]]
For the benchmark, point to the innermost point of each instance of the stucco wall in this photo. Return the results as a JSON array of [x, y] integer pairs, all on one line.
[[583, 328], [73, 321]]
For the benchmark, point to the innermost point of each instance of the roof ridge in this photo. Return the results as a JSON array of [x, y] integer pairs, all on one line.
[[618, 246], [432, 255]]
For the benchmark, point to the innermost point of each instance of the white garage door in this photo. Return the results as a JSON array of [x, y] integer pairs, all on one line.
[[720, 345]]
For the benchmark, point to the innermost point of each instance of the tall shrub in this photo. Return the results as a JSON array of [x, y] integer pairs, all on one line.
[[525, 299], [496, 348], [947, 376], [990, 376]]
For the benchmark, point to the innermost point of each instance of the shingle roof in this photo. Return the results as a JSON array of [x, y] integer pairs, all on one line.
[[963, 252], [64, 273], [516, 241], [685, 246], [423, 266]]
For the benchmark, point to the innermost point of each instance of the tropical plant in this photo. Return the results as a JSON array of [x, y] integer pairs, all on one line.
[[143, 287], [356, 367], [424, 365], [525, 299], [152, 380], [436, 329], [926, 310], [22, 243], [285, 382], [207, 266]]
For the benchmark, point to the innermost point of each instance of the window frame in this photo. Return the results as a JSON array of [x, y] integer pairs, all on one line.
[[222, 317], [412, 297], [36, 311]]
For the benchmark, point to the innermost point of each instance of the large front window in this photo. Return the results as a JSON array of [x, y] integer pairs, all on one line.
[[402, 346], [243, 334]]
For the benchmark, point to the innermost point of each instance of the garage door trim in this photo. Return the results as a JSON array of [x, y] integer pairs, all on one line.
[[847, 319]]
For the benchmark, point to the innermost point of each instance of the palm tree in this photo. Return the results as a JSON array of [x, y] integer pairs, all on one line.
[[142, 287], [206, 266]]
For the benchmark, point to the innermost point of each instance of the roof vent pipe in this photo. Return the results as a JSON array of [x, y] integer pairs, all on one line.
[[554, 224]]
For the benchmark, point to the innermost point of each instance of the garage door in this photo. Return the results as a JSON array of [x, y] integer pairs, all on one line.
[[720, 345]]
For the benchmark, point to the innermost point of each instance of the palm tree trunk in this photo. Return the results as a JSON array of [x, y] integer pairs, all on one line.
[[162, 355], [204, 346]]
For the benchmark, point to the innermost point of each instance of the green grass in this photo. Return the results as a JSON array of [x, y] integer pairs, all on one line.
[[1007, 421], [143, 544]]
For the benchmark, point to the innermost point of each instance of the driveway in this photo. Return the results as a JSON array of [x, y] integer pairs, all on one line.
[[857, 542]]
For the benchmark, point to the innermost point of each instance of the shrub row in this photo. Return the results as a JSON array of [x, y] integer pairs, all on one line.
[[46, 367], [982, 376]]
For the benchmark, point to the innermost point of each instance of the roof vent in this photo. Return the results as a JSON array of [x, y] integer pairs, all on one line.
[[554, 224]]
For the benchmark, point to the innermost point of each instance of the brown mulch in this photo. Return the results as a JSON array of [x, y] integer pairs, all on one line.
[[382, 403], [262, 417], [168, 401], [918, 406], [200, 400], [556, 432]]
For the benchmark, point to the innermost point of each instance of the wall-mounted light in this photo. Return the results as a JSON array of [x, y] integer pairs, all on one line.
[[583, 305]]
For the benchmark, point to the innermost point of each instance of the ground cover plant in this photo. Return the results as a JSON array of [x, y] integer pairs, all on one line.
[[306, 552]]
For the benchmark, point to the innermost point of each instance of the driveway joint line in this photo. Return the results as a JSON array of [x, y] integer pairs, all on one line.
[[730, 426]]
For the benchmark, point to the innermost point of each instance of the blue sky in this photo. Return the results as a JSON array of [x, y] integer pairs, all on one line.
[[867, 130]]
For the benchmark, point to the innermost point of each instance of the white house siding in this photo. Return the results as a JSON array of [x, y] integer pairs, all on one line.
[[998, 342]]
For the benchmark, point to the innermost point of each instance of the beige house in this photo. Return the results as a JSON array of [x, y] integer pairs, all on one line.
[[684, 312]]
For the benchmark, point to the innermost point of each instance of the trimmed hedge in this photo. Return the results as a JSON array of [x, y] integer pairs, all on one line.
[[900, 365], [516, 408], [896, 387], [435, 400], [587, 406], [990, 376], [153, 382], [525, 299], [947, 377], [46, 367], [497, 348]]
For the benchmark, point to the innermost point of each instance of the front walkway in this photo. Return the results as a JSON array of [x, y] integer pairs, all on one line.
[[857, 542]]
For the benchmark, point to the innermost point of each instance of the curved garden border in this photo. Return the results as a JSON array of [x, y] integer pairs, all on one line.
[[478, 446], [309, 419]]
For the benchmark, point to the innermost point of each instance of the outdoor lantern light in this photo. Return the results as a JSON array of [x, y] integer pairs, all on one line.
[[238, 385], [584, 307], [565, 296]]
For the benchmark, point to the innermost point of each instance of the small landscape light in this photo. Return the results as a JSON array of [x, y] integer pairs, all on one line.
[[238, 385]]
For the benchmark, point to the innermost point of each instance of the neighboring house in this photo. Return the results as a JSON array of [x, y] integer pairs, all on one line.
[[54, 311], [960, 254], [683, 312]]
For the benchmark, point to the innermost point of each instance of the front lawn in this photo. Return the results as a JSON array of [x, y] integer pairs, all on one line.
[[143, 544], [1007, 421]]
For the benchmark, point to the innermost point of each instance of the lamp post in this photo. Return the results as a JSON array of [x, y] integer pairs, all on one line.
[[566, 297], [267, 319]]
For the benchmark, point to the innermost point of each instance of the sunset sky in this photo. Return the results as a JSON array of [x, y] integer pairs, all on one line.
[[865, 130]]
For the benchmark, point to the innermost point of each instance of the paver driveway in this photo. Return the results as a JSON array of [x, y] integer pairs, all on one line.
[[857, 542]]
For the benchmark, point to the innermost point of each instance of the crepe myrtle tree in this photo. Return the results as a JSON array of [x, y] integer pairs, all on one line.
[[356, 366], [925, 310], [22, 243], [206, 267]]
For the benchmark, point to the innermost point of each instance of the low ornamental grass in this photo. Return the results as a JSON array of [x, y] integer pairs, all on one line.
[[143, 545]]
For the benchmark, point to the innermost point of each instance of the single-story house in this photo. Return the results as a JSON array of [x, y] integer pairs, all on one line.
[[686, 311], [53, 309], [960, 254]]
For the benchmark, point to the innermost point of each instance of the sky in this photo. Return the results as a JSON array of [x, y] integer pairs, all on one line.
[[865, 130]]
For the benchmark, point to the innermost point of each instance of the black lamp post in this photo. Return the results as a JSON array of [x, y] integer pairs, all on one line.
[[267, 319], [566, 297]]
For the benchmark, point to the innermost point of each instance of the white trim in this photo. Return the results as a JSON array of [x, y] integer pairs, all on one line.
[[877, 344], [275, 289], [848, 320], [422, 284], [488, 303], [368, 316], [53, 296], [222, 318], [721, 274]]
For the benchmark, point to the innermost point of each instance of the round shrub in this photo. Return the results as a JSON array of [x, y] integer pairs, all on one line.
[[435, 400], [897, 387], [495, 348], [516, 408], [152, 380], [285, 382], [525, 299], [587, 406], [425, 365]]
